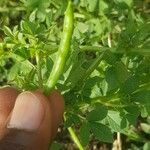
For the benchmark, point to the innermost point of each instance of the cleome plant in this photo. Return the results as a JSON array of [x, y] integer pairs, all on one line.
[[95, 52]]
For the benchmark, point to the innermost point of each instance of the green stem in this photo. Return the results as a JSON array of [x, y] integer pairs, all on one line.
[[4, 9], [39, 70], [74, 136], [93, 48], [78, 15], [110, 102], [145, 86], [141, 51], [93, 66], [113, 101]]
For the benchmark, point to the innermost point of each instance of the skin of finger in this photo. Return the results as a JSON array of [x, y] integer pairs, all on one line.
[[57, 106], [39, 138], [54, 107], [43, 135], [7, 100]]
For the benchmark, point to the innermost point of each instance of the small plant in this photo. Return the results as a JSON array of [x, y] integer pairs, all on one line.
[[97, 53]]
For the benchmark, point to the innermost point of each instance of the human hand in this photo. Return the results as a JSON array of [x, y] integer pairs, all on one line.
[[28, 120]]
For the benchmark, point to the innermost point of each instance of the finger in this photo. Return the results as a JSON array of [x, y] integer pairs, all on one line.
[[57, 107], [49, 127], [44, 134], [7, 99], [24, 122], [30, 123]]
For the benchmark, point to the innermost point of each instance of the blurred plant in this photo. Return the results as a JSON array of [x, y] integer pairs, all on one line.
[[106, 79]]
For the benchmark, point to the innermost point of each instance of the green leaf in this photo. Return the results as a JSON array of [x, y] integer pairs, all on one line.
[[48, 64], [114, 120], [22, 52], [132, 113], [143, 97], [101, 132], [130, 85], [109, 57], [145, 127], [91, 89], [125, 3], [14, 71], [55, 146], [71, 118], [103, 7], [99, 113], [77, 71], [129, 2], [29, 27], [85, 133], [146, 146], [92, 5], [116, 75], [82, 27], [132, 109], [111, 79], [8, 32], [147, 108], [131, 118], [144, 112], [121, 72]]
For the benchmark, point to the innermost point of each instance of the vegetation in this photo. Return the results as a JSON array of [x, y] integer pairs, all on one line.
[[96, 52]]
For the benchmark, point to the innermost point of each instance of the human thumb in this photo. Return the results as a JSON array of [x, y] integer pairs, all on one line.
[[29, 124]]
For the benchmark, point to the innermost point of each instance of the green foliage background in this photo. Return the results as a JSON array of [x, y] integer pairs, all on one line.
[[106, 81]]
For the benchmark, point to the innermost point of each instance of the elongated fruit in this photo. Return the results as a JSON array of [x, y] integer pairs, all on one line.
[[64, 48]]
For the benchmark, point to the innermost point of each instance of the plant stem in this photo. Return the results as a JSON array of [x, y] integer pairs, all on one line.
[[119, 141], [39, 73], [74, 136], [142, 51], [107, 102], [78, 15], [93, 66], [5, 9], [119, 146], [109, 41], [93, 48]]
